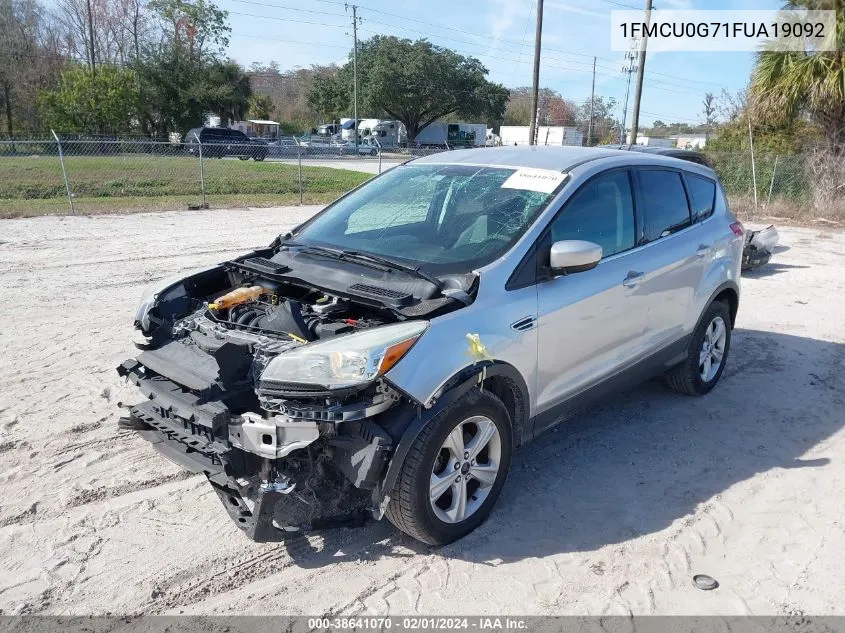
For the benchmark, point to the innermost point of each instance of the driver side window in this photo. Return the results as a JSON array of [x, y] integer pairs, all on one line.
[[602, 211]]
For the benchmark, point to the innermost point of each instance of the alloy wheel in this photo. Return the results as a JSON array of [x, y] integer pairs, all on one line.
[[712, 349], [465, 469]]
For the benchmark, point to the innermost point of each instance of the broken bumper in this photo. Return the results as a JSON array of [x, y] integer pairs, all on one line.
[[254, 463]]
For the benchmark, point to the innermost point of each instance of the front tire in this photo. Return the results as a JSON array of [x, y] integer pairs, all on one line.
[[706, 355], [455, 470]]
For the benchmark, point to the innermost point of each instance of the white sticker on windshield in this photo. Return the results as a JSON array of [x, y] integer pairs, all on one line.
[[542, 180]]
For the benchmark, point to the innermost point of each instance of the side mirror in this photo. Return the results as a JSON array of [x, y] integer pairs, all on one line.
[[573, 256]]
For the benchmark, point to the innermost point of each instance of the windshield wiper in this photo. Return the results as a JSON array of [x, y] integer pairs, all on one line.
[[384, 261], [381, 262]]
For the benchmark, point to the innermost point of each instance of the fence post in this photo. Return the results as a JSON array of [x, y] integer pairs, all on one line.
[[379, 159], [64, 172], [204, 204], [299, 161], [753, 167], [772, 183]]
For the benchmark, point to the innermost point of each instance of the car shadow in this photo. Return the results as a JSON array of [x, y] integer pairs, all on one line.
[[769, 269], [648, 457]]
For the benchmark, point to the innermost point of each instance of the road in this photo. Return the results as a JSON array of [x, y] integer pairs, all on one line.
[[611, 514], [368, 165]]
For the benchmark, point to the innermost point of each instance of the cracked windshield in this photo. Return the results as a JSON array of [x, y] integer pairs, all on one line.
[[442, 217]]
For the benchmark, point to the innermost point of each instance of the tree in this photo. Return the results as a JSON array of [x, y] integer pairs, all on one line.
[[289, 92], [786, 85], [29, 61], [101, 101], [228, 91], [181, 76], [414, 82], [731, 105], [708, 105], [605, 124], [196, 28], [104, 31], [260, 106], [554, 109]]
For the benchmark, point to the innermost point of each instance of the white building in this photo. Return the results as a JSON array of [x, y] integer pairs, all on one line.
[[546, 135], [692, 142], [257, 128], [652, 141]]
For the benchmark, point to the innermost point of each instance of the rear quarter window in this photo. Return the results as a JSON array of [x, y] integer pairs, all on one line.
[[664, 202], [702, 193]]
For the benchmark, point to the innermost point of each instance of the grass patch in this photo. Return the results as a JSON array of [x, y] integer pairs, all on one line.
[[103, 206], [33, 185]]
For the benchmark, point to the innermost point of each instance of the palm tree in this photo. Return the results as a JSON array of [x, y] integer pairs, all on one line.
[[789, 84]]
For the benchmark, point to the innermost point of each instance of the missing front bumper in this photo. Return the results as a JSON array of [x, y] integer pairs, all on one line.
[[276, 477]]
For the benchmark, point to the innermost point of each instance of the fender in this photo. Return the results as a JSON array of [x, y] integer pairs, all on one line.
[[452, 390], [728, 285]]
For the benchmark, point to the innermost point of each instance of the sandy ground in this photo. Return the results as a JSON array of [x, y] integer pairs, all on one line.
[[612, 514]]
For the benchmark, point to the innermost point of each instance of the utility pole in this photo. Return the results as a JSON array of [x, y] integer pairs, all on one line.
[[532, 131], [355, 19], [592, 101], [91, 34], [628, 69], [635, 117]]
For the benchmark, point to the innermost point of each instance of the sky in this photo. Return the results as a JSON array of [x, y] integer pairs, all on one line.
[[298, 33]]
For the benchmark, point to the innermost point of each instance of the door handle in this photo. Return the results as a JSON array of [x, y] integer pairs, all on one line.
[[633, 278], [703, 249]]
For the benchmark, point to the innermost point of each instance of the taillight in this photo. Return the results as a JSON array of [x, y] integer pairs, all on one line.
[[737, 228]]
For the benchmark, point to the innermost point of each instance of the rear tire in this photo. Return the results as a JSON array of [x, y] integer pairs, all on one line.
[[709, 344], [417, 507]]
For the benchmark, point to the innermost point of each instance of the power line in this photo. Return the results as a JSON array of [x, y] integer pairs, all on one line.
[[271, 17], [622, 4], [285, 40], [287, 8], [518, 44]]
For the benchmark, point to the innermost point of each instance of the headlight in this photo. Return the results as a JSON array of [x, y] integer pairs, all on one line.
[[346, 361]]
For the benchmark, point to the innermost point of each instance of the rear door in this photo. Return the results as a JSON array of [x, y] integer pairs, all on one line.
[[676, 253]]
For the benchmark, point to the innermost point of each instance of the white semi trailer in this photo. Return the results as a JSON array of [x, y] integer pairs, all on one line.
[[438, 134], [546, 135]]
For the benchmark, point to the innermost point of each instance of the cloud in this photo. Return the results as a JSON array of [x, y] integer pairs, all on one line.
[[504, 16]]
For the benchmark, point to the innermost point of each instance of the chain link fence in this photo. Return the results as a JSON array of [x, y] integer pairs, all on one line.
[[775, 185], [103, 176], [87, 176]]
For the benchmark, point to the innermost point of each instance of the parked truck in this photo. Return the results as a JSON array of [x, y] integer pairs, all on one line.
[[438, 134], [384, 132]]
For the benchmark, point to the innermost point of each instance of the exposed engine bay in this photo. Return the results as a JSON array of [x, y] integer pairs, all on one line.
[[207, 341]]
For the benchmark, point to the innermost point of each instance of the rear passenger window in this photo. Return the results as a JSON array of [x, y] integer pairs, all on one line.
[[702, 192], [664, 203], [602, 212]]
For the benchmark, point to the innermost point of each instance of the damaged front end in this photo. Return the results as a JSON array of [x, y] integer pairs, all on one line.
[[274, 389]]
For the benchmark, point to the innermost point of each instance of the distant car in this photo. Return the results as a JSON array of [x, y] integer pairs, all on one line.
[[323, 147], [675, 152], [283, 147], [368, 147], [218, 142]]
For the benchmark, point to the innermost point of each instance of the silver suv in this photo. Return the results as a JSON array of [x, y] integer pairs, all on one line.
[[386, 357]]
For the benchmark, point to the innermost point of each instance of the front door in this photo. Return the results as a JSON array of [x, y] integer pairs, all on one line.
[[592, 323]]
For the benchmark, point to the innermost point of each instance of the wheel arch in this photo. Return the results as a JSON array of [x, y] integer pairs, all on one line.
[[498, 377], [729, 293]]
